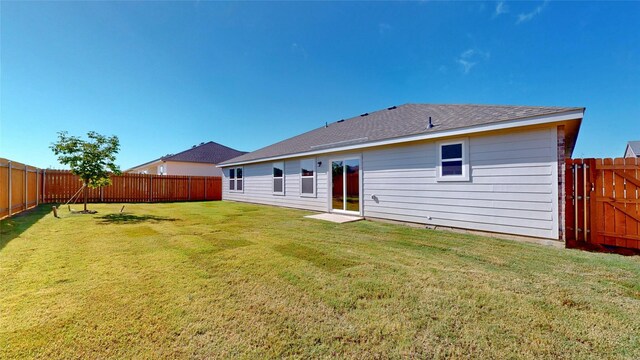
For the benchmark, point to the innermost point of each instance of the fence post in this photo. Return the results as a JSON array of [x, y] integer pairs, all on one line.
[[101, 194], [37, 187], [575, 201], [26, 187], [44, 186], [189, 187], [205, 188], [593, 198], [9, 182], [151, 189]]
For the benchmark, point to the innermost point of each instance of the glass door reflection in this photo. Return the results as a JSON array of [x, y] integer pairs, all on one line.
[[337, 197], [345, 193]]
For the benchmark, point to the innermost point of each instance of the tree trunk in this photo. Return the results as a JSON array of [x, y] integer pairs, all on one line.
[[86, 194]]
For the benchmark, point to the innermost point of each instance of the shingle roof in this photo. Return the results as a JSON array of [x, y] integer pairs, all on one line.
[[211, 152], [404, 120], [635, 147]]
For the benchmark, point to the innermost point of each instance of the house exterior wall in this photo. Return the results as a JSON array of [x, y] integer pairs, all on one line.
[[191, 168], [258, 186], [152, 169], [178, 168], [513, 184]]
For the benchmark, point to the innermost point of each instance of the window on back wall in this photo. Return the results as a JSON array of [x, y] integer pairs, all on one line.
[[453, 163], [278, 178], [308, 177], [239, 179], [236, 179]]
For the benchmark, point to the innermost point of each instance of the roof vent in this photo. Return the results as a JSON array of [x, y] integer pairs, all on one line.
[[430, 123], [392, 108], [365, 114], [341, 120], [202, 143], [193, 146]]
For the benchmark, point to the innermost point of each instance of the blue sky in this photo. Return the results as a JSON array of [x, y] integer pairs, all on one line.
[[164, 76]]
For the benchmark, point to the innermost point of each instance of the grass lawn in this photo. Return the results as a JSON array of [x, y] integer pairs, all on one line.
[[219, 279]]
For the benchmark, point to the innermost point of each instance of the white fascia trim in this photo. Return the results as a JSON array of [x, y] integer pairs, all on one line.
[[145, 165], [509, 124]]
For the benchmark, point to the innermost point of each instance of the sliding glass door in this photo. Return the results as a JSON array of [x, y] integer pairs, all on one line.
[[345, 193]]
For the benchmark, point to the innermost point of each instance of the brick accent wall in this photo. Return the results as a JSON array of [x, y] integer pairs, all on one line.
[[561, 183]]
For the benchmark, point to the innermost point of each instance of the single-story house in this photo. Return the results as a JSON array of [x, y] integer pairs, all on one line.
[[633, 149], [200, 160], [480, 167]]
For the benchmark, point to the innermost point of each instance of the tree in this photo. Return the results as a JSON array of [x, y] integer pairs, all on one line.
[[92, 160]]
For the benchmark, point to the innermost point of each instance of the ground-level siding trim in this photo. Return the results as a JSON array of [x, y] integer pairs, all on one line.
[[513, 187], [528, 232]]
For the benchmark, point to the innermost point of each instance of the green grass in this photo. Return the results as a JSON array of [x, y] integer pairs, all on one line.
[[201, 280]]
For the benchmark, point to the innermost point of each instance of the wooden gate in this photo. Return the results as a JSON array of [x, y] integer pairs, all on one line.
[[603, 202]]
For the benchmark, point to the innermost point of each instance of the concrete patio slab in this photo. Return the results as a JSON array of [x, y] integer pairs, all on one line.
[[336, 218]]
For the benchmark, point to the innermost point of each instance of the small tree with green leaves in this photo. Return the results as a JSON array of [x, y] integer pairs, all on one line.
[[92, 160]]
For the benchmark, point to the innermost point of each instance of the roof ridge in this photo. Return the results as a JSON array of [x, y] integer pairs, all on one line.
[[183, 151], [224, 146], [499, 105]]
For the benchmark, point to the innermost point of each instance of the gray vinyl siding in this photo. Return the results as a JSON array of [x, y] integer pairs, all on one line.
[[258, 185], [513, 186]]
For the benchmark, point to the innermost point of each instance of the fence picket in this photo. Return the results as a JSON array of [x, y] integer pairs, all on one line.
[[618, 193], [24, 187]]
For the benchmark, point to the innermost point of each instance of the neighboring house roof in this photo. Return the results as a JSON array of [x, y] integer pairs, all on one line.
[[398, 122], [634, 146], [211, 153]]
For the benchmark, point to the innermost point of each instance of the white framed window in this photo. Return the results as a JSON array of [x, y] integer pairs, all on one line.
[[453, 160], [236, 180], [308, 177], [278, 178]]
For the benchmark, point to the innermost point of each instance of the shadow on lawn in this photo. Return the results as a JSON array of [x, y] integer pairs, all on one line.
[[11, 228], [131, 219]]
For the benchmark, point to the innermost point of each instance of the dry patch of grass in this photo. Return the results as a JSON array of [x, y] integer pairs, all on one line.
[[316, 257], [201, 280]]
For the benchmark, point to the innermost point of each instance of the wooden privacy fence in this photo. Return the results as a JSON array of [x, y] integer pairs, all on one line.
[[19, 187], [60, 186], [603, 202], [23, 187]]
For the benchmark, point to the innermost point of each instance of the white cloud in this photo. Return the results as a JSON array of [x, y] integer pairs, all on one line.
[[466, 65], [470, 58], [524, 17], [501, 8], [467, 53]]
